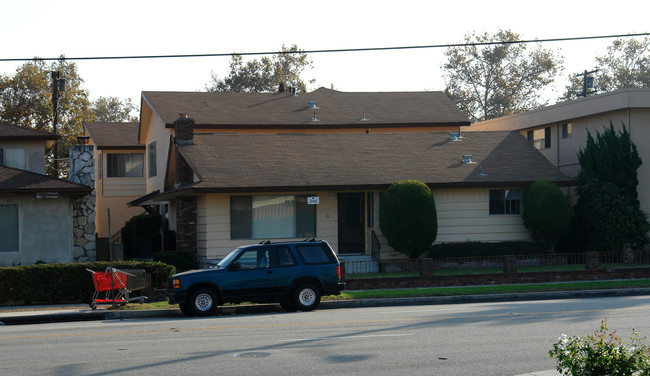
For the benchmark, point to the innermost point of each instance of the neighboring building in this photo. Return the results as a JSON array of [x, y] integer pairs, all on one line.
[[249, 167], [119, 173], [38, 214], [560, 131]]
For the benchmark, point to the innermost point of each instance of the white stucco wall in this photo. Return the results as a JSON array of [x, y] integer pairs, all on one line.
[[45, 230], [34, 153]]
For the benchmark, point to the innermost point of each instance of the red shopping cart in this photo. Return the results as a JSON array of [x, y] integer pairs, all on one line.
[[116, 285]]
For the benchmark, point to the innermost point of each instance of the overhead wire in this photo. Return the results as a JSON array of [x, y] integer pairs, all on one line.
[[338, 50]]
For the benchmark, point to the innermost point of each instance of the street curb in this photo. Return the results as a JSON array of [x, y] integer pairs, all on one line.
[[30, 317]]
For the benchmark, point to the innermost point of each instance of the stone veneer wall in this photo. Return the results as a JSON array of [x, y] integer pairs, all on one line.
[[82, 171]]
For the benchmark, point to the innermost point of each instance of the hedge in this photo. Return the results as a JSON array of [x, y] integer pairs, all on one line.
[[63, 283]]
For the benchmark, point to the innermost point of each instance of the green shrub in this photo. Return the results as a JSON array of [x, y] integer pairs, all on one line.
[[180, 259], [63, 283], [600, 354], [482, 249], [141, 236], [408, 218], [546, 213]]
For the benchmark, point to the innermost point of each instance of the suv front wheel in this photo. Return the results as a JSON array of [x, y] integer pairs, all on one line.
[[306, 297], [203, 302]]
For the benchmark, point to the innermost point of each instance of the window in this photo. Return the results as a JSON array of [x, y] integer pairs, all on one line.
[[540, 138], [256, 258], [314, 254], [125, 165], [9, 228], [271, 217], [567, 129], [152, 159], [13, 157], [505, 201], [285, 258]]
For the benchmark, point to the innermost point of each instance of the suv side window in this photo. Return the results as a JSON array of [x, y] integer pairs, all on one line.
[[314, 253], [285, 257], [255, 258]]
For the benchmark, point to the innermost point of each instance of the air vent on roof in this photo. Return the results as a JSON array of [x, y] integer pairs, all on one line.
[[467, 159], [480, 171], [312, 105], [453, 136], [314, 118], [363, 116]]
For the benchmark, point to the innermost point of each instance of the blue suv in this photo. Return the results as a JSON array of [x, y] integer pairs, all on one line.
[[294, 274]]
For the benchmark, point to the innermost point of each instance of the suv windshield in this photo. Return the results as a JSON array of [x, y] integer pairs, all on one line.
[[228, 259]]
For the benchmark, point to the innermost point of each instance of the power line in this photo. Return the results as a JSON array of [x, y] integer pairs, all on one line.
[[331, 50]]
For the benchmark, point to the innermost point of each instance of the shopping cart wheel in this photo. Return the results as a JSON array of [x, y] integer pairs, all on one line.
[[93, 305]]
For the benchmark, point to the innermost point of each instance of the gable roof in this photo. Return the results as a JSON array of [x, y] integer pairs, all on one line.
[[14, 132], [334, 108], [13, 180], [307, 162], [114, 135]]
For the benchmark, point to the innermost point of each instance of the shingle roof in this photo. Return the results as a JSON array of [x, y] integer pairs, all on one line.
[[10, 131], [335, 108], [13, 180], [307, 162], [114, 135]]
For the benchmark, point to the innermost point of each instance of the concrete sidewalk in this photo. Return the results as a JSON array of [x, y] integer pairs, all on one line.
[[82, 312]]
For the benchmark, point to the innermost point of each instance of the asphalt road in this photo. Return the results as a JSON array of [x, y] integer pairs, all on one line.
[[456, 339]]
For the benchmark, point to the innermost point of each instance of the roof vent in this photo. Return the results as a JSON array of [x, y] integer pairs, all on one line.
[[312, 105], [480, 171], [314, 118], [467, 159], [453, 136], [363, 117]]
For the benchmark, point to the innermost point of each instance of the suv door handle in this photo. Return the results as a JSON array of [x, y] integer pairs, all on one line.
[[269, 271]]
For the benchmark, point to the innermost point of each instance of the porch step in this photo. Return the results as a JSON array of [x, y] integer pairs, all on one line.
[[359, 263]]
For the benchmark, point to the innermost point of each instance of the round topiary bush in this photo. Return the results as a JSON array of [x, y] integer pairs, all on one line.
[[407, 216], [546, 212]]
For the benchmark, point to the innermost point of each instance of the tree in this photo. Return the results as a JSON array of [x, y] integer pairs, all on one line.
[[625, 64], [608, 214], [265, 74], [27, 102], [493, 76], [546, 213], [407, 216], [113, 110]]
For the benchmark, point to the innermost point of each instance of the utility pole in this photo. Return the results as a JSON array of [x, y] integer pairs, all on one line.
[[58, 85], [588, 83]]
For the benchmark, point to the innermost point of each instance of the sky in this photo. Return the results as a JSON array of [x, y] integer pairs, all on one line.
[[82, 28]]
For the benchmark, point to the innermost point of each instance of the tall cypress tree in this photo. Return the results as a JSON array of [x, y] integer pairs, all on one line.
[[608, 213]]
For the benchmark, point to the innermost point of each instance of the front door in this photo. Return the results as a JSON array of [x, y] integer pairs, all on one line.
[[351, 223]]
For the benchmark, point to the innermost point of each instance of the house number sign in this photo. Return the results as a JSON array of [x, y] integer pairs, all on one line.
[[313, 200]]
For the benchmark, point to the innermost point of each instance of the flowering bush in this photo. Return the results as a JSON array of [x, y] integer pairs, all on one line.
[[601, 354]]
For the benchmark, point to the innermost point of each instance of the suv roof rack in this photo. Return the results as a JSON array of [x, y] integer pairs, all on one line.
[[311, 240], [265, 242]]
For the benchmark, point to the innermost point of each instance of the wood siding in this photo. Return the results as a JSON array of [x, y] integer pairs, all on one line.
[[463, 215]]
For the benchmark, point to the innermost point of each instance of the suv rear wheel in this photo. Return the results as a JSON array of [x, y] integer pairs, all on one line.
[[202, 302], [306, 297]]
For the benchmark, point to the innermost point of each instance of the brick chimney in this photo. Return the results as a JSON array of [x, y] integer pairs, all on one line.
[[184, 135], [186, 208]]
